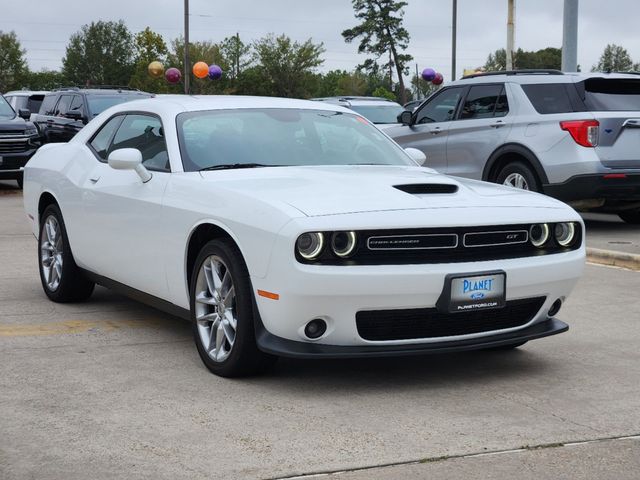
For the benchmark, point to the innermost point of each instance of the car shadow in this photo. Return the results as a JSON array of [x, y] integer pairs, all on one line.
[[607, 222], [9, 187]]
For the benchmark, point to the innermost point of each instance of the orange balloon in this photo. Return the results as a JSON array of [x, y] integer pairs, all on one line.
[[201, 70]]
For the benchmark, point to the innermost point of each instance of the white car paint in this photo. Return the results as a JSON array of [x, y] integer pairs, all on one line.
[[137, 233]]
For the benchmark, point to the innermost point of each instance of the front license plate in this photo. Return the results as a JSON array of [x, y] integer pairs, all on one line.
[[471, 292]]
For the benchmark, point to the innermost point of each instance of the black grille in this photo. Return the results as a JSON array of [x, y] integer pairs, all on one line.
[[381, 325], [14, 146]]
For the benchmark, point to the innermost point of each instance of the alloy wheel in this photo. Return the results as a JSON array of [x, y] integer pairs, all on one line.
[[516, 180], [215, 308], [51, 250]]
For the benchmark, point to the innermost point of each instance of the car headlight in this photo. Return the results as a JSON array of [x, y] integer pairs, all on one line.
[[310, 245], [565, 233], [539, 234], [343, 244]]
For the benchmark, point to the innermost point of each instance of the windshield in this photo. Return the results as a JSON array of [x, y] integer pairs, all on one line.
[[276, 137], [5, 109], [379, 113], [99, 103], [610, 95]]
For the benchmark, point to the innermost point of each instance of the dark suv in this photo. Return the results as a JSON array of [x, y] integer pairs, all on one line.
[[19, 140], [65, 111]]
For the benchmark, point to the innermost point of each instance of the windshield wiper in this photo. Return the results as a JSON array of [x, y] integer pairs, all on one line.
[[232, 166]]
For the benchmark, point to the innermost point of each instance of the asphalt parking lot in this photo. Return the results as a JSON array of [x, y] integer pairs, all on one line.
[[111, 388]]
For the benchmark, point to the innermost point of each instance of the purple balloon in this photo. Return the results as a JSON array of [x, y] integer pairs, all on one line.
[[173, 75], [215, 72], [428, 74]]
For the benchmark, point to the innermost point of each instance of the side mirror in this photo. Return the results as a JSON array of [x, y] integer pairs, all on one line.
[[129, 159], [405, 117], [24, 113], [74, 115], [416, 155]]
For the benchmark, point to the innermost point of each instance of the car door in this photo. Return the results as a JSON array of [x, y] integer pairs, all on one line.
[[56, 123], [44, 120], [429, 127], [71, 126], [481, 126], [124, 235]]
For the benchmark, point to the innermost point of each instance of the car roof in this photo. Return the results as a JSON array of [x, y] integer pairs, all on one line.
[[540, 76], [100, 91], [26, 93], [356, 100]]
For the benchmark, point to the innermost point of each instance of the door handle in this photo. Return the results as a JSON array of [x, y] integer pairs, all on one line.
[[498, 124], [94, 179], [435, 131]]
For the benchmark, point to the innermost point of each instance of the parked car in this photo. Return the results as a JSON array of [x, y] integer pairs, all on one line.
[[375, 109], [573, 136], [19, 140], [285, 227], [25, 99], [64, 112]]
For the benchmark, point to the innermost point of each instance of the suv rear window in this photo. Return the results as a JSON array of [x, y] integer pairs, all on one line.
[[610, 95], [549, 98]]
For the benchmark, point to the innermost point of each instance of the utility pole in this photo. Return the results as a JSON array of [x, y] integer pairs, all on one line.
[[510, 33], [454, 22], [186, 69], [570, 36], [417, 84]]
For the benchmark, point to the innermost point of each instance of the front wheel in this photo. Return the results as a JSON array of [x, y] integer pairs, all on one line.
[[62, 280], [222, 312], [518, 175], [630, 216]]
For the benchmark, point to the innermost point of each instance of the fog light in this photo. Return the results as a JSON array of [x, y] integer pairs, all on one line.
[[343, 243], [315, 328], [539, 234], [309, 245], [565, 233], [555, 308]]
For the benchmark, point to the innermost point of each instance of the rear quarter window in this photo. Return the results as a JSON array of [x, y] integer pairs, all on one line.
[[610, 95], [549, 98]]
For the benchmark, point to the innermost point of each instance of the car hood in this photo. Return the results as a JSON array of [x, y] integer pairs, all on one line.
[[15, 125], [334, 190]]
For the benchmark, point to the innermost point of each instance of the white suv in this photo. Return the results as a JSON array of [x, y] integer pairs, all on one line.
[[573, 136]]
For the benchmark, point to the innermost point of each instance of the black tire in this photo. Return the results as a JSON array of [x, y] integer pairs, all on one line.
[[522, 169], [73, 286], [503, 348], [244, 357], [630, 216]]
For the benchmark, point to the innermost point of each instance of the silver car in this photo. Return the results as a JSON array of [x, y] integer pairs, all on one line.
[[380, 111], [574, 136]]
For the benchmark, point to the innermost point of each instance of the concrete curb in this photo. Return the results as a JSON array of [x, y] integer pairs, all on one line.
[[613, 258]]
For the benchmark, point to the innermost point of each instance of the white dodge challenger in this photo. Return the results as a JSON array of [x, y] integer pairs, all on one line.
[[291, 228]]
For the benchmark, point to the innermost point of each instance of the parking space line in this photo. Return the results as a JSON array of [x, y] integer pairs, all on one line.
[[69, 327]]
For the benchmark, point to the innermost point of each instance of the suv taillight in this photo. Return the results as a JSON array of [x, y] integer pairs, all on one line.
[[584, 132]]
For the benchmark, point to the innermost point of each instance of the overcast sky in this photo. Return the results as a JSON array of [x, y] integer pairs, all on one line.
[[44, 26]]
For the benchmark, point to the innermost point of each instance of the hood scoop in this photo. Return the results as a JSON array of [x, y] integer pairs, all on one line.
[[427, 188]]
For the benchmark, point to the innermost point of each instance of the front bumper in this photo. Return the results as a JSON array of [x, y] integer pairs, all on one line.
[[613, 187], [12, 163], [288, 348]]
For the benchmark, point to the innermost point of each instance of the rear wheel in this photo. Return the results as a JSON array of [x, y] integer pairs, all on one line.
[[222, 312], [518, 175], [630, 216], [61, 278]]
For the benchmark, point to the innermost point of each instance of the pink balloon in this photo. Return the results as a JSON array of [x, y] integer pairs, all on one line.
[[173, 75], [438, 79]]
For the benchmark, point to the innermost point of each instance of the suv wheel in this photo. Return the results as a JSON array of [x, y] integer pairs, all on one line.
[[630, 216], [518, 175]]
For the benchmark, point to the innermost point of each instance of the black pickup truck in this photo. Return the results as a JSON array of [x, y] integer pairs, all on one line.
[[19, 140]]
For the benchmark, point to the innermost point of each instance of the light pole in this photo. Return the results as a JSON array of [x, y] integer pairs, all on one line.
[[510, 33], [186, 69], [454, 21], [570, 36]]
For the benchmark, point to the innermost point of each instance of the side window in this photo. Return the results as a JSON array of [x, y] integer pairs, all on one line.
[[76, 103], [63, 105], [101, 140], [482, 102], [48, 104], [145, 133], [549, 98], [442, 108]]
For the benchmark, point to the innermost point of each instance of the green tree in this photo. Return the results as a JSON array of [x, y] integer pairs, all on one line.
[[101, 53], [288, 66], [381, 32], [205, 51], [44, 80], [13, 66], [614, 59], [422, 88], [383, 93], [546, 58], [237, 55], [148, 47]]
